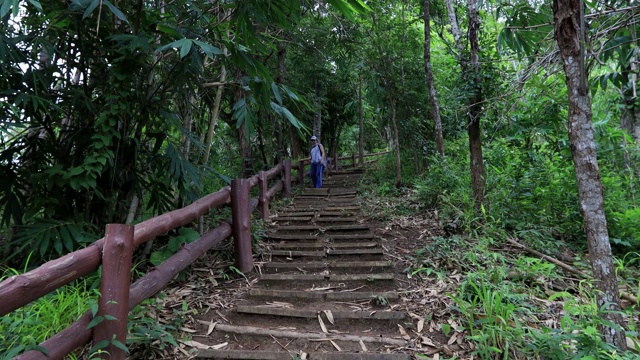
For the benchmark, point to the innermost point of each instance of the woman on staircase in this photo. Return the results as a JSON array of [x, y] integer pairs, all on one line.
[[318, 161]]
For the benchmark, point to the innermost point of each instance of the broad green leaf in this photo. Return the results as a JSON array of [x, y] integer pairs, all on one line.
[[185, 48], [120, 345], [67, 239], [57, 245], [208, 49], [99, 345], [9, 5], [172, 45], [276, 92], [95, 321], [169, 30], [92, 6], [115, 11], [36, 4]]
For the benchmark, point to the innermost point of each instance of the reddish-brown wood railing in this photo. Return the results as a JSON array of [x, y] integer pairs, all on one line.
[[114, 252]]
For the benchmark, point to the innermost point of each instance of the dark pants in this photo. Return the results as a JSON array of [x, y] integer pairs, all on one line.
[[316, 174]]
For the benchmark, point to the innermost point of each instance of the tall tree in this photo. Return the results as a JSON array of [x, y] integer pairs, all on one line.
[[472, 78], [433, 98], [569, 32]]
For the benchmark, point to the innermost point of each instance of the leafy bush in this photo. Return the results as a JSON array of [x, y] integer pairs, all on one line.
[[185, 236]]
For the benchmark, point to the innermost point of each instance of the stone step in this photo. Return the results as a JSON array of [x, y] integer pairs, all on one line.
[[328, 277], [355, 252], [336, 213], [282, 355], [292, 218], [330, 200], [312, 314], [322, 245], [325, 228], [292, 213], [329, 264], [295, 253], [324, 295], [322, 207], [351, 236], [336, 219], [291, 237], [324, 252]]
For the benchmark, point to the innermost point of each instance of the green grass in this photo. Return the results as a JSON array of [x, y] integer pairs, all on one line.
[[30, 325]]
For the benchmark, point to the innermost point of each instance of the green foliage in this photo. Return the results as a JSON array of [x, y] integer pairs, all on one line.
[[23, 329], [145, 332], [492, 321], [49, 238], [185, 236]]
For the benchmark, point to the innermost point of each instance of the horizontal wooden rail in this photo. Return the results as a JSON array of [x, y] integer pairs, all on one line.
[[77, 334], [273, 172], [20, 290]]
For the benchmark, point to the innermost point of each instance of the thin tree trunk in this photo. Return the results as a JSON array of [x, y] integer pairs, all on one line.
[[243, 139], [361, 125], [282, 68], [455, 30], [396, 141], [435, 107], [404, 44], [568, 18], [294, 139], [215, 113], [263, 151], [317, 119], [478, 177], [188, 124]]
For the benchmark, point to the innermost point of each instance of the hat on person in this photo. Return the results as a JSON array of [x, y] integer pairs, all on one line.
[[314, 137]]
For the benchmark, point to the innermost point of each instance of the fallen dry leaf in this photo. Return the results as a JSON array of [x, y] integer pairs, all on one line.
[[363, 346], [335, 345], [329, 315], [212, 325], [453, 339], [428, 342], [322, 326]]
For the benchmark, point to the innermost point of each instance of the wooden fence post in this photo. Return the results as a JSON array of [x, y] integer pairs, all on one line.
[[114, 290], [241, 218], [336, 162], [301, 172], [353, 160], [287, 178], [263, 199]]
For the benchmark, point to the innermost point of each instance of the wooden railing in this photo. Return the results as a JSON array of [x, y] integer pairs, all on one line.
[[114, 252]]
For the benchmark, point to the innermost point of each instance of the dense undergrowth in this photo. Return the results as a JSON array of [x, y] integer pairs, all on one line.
[[510, 304]]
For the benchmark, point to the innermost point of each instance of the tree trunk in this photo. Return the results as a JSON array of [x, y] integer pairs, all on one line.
[[317, 119], [361, 125], [215, 113], [396, 141], [188, 123], [478, 178], [243, 140], [455, 30], [435, 107], [282, 68], [568, 18], [294, 139]]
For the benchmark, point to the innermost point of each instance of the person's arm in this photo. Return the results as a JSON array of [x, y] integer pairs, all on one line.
[[324, 157]]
